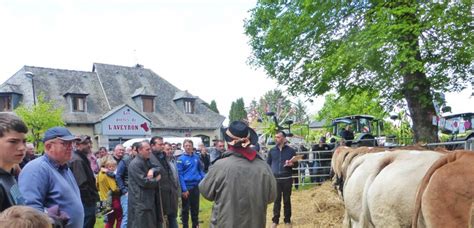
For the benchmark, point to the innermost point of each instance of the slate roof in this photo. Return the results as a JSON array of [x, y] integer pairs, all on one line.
[[111, 86], [183, 95]]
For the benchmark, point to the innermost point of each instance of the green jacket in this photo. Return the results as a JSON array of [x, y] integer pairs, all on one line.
[[241, 190]]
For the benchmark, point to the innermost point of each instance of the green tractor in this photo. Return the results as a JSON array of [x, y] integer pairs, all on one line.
[[456, 128], [367, 129]]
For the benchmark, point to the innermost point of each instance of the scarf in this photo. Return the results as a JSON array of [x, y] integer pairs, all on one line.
[[247, 152]]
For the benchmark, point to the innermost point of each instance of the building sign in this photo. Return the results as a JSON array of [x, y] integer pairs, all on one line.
[[126, 121]]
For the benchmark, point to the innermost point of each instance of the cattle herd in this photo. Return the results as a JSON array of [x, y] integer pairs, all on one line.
[[405, 187]]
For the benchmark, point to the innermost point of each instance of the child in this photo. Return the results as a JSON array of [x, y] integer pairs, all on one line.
[[109, 192], [24, 217]]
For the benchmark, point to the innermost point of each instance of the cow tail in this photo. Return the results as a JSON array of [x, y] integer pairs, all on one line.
[[366, 219], [422, 187]]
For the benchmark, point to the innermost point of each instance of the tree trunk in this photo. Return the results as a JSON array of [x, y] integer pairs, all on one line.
[[420, 105], [416, 86]]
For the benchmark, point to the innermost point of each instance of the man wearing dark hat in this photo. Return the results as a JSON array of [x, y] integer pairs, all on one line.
[[47, 182], [240, 183], [81, 168], [279, 159]]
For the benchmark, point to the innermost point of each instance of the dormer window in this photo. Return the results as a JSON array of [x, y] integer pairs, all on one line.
[[148, 104], [5, 103], [145, 98], [189, 107], [78, 103], [76, 98], [185, 102]]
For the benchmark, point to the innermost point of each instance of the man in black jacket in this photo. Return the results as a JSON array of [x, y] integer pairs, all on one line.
[[12, 151], [81, 168], [122, 181], [143, 184], [168, 190], [279, 159]]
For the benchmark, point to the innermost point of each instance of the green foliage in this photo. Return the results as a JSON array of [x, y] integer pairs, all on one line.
[[39, 118], [402, 49], [237, 111], [400, 129], [276, 101], [366, 103], [213, 106]]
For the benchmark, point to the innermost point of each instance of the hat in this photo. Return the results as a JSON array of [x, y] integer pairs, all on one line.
[[239, 133], [84, 139], [59, 132]]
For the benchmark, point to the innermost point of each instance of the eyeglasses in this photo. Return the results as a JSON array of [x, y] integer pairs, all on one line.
[[64, 143]]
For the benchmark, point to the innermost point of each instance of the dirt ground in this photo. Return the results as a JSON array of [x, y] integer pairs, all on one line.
[[319, 206]]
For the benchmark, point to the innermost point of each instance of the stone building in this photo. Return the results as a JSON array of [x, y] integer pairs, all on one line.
[[114, 103]]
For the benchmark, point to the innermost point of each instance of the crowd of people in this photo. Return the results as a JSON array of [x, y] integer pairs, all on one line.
[[140, 186]]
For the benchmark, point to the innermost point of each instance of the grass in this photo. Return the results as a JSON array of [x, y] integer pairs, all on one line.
[[205, 210]]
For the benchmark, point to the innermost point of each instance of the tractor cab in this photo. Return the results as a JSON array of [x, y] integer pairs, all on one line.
[[366, 129], [458, 127]]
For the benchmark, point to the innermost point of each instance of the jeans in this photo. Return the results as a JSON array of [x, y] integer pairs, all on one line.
[[89, 216], [191, 202], [283, 189], [124, 204]]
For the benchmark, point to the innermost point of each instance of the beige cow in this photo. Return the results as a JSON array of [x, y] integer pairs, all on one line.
[[379, 188]]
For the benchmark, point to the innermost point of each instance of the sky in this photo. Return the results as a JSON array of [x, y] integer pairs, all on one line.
[[199, 46]]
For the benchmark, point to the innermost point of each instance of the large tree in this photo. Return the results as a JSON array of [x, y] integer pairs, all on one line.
[[403, 49], [39, 118]]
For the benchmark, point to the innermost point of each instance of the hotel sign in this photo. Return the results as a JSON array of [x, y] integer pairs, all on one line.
[[126, 121]]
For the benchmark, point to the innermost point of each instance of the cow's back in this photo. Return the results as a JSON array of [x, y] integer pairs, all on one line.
[[391, 195]]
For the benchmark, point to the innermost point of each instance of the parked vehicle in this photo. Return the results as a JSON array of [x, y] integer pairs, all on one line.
[[456, 128], [367, 129]]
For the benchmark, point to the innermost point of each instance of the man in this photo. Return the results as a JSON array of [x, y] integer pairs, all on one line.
[[12, 151], [347, 135], [119, 152], [168, 190], [204, 155], [29, 156], [47, 181], [143, 184], [240, 183], [81, 168], [190, 174], [122, 181], [102, 154], [322, 158], [279, 159], [217, 151]]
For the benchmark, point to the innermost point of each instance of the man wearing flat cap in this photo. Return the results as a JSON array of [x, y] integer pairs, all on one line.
[[47, 182], [240, 183], [81, 168]]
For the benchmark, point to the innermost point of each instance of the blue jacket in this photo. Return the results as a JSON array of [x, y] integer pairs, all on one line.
[[276, 160], [43, 183], [190, 171]]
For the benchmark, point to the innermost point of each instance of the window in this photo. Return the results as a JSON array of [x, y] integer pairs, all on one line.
[[148, 104], [5, 103], [188, 107], [78, 103]]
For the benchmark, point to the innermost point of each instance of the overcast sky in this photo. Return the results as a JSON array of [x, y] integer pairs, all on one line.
[[198, 46]]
